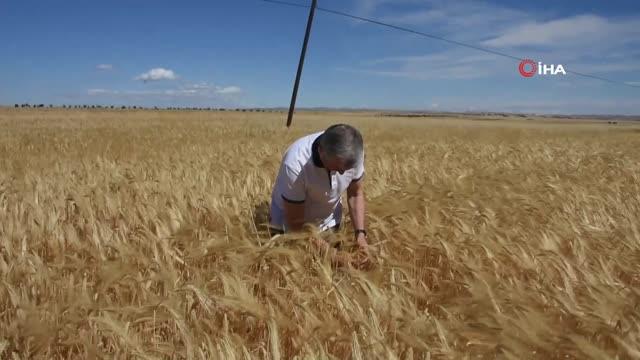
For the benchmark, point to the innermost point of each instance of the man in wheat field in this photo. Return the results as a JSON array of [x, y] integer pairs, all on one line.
[[315, 170]]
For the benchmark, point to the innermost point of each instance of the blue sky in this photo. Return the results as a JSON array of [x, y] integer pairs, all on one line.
[[244, 53]]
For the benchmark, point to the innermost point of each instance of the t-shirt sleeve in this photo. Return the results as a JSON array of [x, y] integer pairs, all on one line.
[[359, 170], [292, 179]]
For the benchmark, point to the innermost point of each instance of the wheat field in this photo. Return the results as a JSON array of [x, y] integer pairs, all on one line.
[[138, 235]]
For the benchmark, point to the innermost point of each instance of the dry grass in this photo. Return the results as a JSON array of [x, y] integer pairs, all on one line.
[[131, 235]]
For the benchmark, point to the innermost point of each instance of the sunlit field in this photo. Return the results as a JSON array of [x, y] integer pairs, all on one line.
[[139, 235]]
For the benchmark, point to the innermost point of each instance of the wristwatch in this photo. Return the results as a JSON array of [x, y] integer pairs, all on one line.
[[358, 231]]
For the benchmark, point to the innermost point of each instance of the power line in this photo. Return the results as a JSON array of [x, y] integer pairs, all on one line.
[[440, 38], [288, 3]]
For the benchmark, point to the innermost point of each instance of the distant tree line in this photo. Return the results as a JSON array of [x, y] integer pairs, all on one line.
[[136, 107]]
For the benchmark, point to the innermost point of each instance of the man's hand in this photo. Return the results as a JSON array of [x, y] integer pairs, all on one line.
[[338, 258], [356, 200], [294, 215], [361, 259], [361, 240], [363, 256]]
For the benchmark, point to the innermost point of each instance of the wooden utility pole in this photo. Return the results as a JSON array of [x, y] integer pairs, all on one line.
[[294, 95]]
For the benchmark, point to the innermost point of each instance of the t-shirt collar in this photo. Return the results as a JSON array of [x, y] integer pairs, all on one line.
[[315, 154]]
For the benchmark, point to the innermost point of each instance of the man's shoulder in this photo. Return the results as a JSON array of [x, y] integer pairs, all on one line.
[[299, 152], [306, 141]]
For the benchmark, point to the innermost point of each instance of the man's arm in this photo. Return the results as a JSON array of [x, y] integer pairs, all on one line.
[[294, 215], [293, 195], [356, 200]]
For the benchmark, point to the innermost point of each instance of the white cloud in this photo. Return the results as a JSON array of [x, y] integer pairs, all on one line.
[[580, 105], [228, 90], [577, 106], [606, 67], [199, 86], [157, 74], [583, 43], [180, 96], [451, 64], [464, 20], [448, 18], [581, 30], [105, 67], [200, 91], [368, 7], [94, 92], [206, 89]]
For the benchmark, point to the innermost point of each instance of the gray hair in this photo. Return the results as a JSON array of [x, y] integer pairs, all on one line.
[[343, 142]]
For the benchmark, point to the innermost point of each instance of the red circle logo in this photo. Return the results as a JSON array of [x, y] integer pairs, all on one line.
[[523, 68]]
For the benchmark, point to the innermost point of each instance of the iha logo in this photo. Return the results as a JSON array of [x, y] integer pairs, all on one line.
[[528, 68]]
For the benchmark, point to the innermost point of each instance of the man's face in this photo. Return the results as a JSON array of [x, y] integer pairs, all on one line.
[[332, 163]]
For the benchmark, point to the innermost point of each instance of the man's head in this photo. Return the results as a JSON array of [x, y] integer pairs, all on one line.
[[340, 147]]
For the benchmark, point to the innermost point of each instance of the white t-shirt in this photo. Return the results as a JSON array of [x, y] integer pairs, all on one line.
[[302, 179]]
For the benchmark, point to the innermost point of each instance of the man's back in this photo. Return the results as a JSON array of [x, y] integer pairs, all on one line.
[[303, 179]]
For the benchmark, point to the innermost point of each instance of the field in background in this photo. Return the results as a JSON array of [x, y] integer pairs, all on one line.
[[131, 234]]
